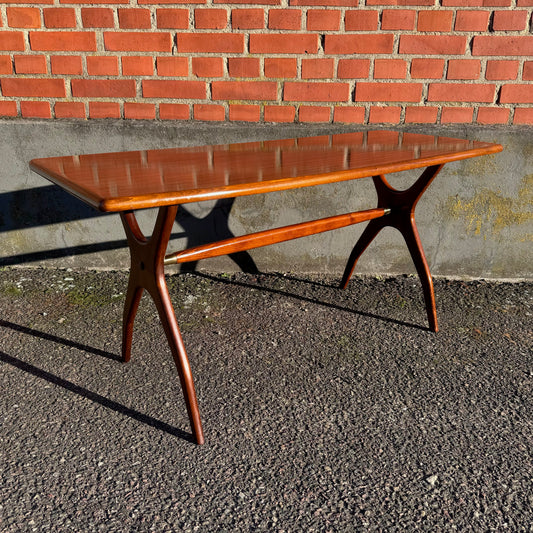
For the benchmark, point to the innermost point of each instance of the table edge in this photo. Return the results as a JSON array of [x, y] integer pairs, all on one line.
[[148, 201]]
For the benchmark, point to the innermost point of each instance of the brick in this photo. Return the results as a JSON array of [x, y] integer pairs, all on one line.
[[472, 20], [172, 66], [456, 115], [421, 115], [97, 17], [173, 19], [398, 19], [462, 3], [104, 110], [174, 89], [283, 43], [8, 109], [134, 18], [510, 20], [30, 64], [244, 113], [41, 87], [102, 65], [244, 90], [12, 40], [390, 69], [353, 68], [278, 113], [400, 2], [523, 115], [137, 66], [433, 44], [317, 68], [135, 110], [208, 67], [6, 66], [463, 69], [163, 2], [244, 67], [497, 3], [66, 65], [503, 45], [315, 114], [524, 3], [316, 92], [359, 44], [214, 19], [103, 88], [59, 17], [137, 41], [493, 115], [174, 111], [209, 112], [435, 20], [103, 2], [63, 41], [251, 2], [385, 115], [349, 115], [517, 94], [23, 17], [502, 69], [280, 67], [35, 109], [461, 92], [527, 74], [69, 110], [388, 92], [335, 3], [359, 20], [218, 43], [247, 19], [427, 68], [285, 19], [323, 20]]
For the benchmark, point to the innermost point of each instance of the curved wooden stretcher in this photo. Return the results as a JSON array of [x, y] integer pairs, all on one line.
[[126, 181]]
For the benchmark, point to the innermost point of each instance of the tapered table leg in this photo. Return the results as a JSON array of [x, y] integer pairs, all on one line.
[[133, 297], [368, 235], [147, 272], [410, 233], [402, 217]]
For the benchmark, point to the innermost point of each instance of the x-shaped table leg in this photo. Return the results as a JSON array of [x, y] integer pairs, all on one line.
[[402, 217], [147, 272]]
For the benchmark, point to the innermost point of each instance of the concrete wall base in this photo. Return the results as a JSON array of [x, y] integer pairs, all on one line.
[[475, 221]]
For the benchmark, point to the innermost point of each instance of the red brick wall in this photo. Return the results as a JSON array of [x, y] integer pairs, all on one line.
[[326, 61]]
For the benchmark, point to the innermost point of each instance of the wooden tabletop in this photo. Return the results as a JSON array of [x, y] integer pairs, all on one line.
[[142, 179]]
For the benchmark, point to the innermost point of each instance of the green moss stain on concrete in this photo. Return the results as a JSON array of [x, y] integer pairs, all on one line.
[[10, 289], [489, 212], [87, 298]]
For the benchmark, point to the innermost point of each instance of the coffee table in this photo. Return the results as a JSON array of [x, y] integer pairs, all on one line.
[[127, 181]]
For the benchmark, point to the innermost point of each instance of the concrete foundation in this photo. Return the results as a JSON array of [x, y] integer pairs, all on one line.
[[475, 221]]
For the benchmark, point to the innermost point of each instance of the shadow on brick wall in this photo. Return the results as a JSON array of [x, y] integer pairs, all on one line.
[[42, 206]]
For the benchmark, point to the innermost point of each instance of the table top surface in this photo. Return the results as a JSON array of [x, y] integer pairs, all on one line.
[[141, 179]]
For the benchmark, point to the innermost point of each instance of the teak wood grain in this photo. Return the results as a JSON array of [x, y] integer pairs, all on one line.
[[153, 178]]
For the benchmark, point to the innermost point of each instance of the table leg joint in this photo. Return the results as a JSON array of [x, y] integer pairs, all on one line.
[[402, 206]]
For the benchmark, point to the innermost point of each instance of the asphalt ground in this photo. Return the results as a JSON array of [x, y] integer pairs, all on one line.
[[324, 410]]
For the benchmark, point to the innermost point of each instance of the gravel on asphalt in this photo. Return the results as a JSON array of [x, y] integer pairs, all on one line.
[[324, 410]]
